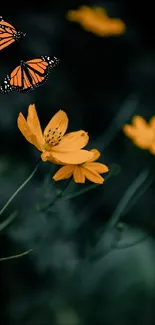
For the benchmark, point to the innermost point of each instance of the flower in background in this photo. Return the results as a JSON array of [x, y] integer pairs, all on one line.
[[55, 145], [90, 170], [142, 133], [96, 20]]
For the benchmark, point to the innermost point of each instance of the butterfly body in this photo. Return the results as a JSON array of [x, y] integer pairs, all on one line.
[[17, 36], [8, 34], [29, 75]]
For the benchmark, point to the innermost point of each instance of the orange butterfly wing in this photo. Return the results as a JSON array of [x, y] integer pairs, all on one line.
[[8, 34], [29, 75], [37, 71]]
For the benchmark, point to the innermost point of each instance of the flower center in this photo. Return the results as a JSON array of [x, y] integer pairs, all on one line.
[[53, 137]]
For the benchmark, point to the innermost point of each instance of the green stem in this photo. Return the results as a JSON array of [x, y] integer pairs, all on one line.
[[47, 206], [125, 112], [114, 170], [6, 222], [18, 190], [139, 194], [127, 197], [83, 190], [16, 256]]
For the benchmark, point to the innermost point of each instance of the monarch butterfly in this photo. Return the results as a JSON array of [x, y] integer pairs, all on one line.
[[8, 34], [29, 75]]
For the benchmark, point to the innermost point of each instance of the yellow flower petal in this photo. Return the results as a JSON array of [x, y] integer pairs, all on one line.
[[145, 139], [101, 12], [45, 155], [139, 143], [79, 14], [141, 133], [76, 157], [96, 155], [64, 172], [139, 122], [90, 23], [34, 124], [96, 20], [113, 27], [129, 131], [54, 161], [152, 123], [92, 175], [97, 167], [78, 175], [152, 148], [26, 131], [72, 141], [59, 122]]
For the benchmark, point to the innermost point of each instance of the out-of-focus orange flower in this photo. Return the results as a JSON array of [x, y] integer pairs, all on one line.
[[142, 133], [90, 170], [55, 145], [96, 20]]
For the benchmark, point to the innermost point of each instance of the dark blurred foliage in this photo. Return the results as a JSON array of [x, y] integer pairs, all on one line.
[[73, 277]]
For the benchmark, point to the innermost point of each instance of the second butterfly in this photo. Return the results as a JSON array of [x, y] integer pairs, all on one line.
[[28, 75]]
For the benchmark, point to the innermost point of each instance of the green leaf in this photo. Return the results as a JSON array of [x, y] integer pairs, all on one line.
[[120, 237], [121, 279], [130, 235]]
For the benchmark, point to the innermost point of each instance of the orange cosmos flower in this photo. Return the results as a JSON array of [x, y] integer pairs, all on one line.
[[89, 169], [55, 145], [142, 133], [96, 20]]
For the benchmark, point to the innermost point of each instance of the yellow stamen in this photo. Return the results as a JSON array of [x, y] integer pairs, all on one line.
[[53, 137]]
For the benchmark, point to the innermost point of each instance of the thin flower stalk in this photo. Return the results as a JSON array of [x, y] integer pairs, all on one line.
[[18, 190]]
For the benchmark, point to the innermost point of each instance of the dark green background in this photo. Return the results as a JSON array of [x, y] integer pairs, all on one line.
[[67, 280]]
